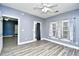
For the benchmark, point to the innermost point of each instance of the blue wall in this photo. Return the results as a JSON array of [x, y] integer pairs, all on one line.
[[26, 22], [69, 16], [8, 28]]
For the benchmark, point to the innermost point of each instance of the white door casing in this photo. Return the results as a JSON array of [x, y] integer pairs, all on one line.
[[1, 36], [34, 27], [18, 40]]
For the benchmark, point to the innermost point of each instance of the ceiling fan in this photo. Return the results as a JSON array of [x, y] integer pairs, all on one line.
[[46, 7]]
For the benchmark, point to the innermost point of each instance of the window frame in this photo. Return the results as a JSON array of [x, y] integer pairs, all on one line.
[[65, 39], [59, 30], [51, 30]]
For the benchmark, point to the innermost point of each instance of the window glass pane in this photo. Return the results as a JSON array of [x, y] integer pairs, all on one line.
[[54, 33], [54, 27], [65, 34], [65, 28], [65, 24]]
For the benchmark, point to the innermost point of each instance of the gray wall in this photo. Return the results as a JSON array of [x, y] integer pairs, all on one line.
[[26, 22], [68, 15], [76, 34]]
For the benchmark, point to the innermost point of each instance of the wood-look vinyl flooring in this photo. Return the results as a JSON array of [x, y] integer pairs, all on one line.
[[38, 48]]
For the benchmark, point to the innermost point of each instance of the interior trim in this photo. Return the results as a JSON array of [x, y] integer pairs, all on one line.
[[29, 41], [68, 45], [26, 42], [0, 49], [18, 40]]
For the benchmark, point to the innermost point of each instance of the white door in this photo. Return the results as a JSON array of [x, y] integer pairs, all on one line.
[[1, 37]]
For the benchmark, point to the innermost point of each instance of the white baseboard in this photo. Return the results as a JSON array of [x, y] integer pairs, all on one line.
[[26, 42], [68, 45], [42, 38], [0, 49]]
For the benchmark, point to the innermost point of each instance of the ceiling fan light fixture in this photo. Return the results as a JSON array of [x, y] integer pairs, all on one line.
[[46, 7]]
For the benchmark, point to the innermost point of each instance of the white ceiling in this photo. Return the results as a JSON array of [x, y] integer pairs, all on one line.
[[29, 8]]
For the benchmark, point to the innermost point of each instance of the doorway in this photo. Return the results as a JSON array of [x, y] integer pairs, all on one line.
[[37, 29], [10, 32]]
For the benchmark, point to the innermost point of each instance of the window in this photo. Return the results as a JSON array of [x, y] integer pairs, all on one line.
[[53, 29], [65, 29], [59, 30]]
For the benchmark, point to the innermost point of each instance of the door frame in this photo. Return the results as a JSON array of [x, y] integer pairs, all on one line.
[[1, 19], [34, 23], [18, 40]]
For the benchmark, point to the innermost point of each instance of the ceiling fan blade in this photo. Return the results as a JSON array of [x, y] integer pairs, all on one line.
[[51, 11], [56, 11], [37, 8], [53, 6]]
